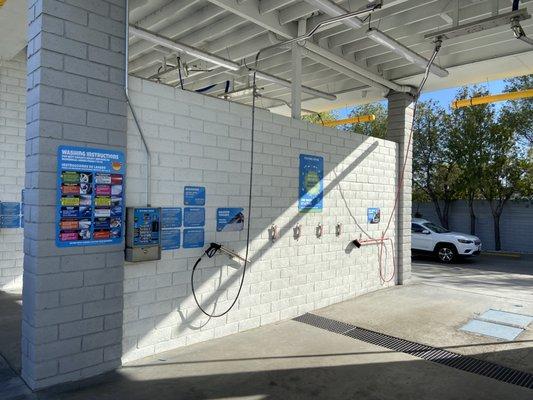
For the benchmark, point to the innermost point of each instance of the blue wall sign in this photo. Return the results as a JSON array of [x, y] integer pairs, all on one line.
[[10, 214], [193, 238], [194, 196], [193, 217], [171, 221], [373, 215], [230, 219], [170, 238], [90, 196], [311, 192]]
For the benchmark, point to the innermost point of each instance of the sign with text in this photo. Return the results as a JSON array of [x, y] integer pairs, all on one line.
[[311, 185]]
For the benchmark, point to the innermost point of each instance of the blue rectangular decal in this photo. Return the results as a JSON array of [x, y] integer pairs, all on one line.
[[90, 196], [193, 217], [170, 238], [311, 191], [193, 238], [373, 215], [10, 214], [230, 219], [171, 221], [171, 217], [194, 196]]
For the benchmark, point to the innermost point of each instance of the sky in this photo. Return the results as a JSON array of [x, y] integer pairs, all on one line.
[[443, 97]]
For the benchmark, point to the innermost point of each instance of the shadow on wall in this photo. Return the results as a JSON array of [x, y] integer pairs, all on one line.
[[318, 376], [262, 251]]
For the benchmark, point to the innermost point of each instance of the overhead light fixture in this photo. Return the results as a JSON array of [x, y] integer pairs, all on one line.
[[404, 51], [480, 25], [235, 94]]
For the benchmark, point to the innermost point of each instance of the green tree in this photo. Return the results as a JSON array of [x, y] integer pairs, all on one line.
[[319, 118], [504, 174], [435, 172], [376, 128], [469, 130], [520, 112]]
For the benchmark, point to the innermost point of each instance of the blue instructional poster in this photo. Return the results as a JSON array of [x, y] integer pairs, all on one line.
[[193, 217], [373, 215], [311, 185], [194, 196], [10, 215], [171, 221], [90, 196], [193, 238], [230, 219]]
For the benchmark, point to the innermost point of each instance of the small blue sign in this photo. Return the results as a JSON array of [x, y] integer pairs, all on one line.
[[194, 217], [194, 196], [373, 215], [171, 217], [311, 192], [193, 238], [10, 214], [230, 219], [170, 238]]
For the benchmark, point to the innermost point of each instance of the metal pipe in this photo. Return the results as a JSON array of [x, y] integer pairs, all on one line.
[[474, 101], [133, 113], [352, 120], [231, 65]]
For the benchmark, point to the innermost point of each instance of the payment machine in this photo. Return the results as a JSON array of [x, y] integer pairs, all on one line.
[[143, 234]]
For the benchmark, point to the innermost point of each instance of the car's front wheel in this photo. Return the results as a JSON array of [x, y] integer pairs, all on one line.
[[446, 253]]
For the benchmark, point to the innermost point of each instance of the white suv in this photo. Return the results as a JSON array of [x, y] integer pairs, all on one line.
[[429, 237]]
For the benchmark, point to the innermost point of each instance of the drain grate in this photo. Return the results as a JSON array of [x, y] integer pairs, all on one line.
[[429, 353]]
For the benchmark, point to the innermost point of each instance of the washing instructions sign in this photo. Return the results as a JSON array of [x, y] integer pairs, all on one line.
[[171, 221], [193, 217], [193, 238], [230, 219], [311, 185], [373, 215], [10, 214], [90, 196], [194, 196]]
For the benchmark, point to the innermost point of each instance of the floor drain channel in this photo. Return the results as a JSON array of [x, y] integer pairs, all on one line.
[[429, 353]]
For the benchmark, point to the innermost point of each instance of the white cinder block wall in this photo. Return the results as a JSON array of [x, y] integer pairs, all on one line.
[[12, 140], [199, 140]]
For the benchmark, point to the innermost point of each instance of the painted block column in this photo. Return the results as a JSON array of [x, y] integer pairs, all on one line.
[[72, 297], [400, 121]]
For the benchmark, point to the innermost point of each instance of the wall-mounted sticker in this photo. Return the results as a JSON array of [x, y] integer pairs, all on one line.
[[230, 219], [90, 196], [193, 217], [194, 196], [193, 238], [311, 192], [171, 221], [373, 215], [10, 214]]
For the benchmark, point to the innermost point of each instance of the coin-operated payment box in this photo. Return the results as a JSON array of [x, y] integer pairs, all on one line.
[[143, 234]]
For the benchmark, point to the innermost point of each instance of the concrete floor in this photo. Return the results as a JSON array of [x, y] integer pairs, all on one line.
[[290, 360]]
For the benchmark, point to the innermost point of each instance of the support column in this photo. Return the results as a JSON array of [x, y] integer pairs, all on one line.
[[400, 120], [296, 89], [72, 297]]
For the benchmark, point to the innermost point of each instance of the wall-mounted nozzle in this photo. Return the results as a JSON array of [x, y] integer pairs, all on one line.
[[356, 243], [297, 231], [274, 233], [338, 229]]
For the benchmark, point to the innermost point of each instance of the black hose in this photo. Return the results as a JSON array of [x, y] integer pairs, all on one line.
[[214, 248], [515, 4]]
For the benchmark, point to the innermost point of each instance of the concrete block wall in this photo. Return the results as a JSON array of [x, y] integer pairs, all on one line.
[[199, 140], [12, 140], [72, 297]]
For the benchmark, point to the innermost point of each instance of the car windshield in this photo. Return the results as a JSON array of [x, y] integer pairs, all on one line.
[[435, 228]]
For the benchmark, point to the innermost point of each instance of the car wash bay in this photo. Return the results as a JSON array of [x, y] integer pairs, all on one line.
[[180, 152]]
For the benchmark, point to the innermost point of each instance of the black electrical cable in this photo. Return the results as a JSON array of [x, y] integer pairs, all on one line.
[[214, 247], [179, 72]]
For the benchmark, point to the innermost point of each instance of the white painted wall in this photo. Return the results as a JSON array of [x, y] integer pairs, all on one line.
[[12, 139], [198, 140]]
